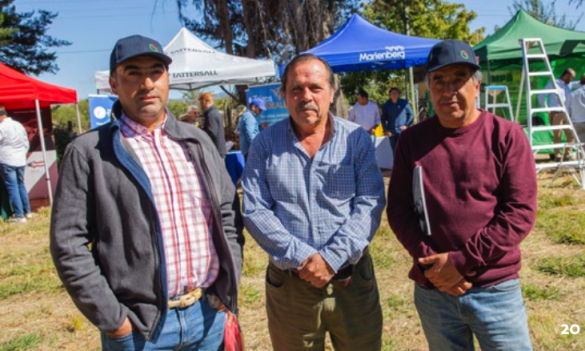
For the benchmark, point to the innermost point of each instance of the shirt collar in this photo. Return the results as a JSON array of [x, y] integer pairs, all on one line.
[[330, 118], [130, 128]]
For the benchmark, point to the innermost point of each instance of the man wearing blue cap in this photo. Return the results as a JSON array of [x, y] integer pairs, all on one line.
[[479, 187], [144, 230], [248, 125]]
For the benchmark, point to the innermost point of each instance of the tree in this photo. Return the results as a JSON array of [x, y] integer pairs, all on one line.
[[276, 29], [265, 28], [544, 13], [423, 18], [25, 45]]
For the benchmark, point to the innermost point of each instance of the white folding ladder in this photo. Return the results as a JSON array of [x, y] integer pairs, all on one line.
[[533, 52], [494, 91]]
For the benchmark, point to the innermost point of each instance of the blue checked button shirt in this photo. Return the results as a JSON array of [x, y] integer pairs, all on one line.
[[295, 207]]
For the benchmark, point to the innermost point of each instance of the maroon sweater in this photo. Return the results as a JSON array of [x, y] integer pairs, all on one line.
[[480, 189]]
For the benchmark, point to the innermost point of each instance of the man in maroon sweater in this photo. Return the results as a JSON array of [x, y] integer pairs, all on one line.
[[480, 190]]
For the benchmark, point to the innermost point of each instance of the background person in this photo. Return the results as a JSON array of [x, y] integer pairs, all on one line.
[[14, 147], [577, 109], [556, 118], [248, 125], [144, 230], [480, 190], [365, 112], [191, 115], [397, 115], [313, 198], [213, 123]]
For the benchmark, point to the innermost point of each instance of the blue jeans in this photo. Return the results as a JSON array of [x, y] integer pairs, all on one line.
[[494, 314], [198, 327], [14, 180]]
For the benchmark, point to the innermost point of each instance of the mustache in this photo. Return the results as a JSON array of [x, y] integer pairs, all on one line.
[[308, 106]]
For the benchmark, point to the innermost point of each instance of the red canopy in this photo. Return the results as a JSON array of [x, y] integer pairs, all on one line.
[[19, 91]]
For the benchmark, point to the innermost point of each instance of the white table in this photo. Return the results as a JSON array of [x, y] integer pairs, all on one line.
[[384, 153]]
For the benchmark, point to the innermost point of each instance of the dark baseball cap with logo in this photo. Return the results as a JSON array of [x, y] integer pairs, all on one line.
[[450, 52], [136, 45]]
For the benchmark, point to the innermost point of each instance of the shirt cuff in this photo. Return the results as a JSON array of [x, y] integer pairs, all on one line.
[[334, 261], [462, 261]]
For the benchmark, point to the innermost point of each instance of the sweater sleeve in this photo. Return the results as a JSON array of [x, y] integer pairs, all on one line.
[[515, 214], [400, 210]]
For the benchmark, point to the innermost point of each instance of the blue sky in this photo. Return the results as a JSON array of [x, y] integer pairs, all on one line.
[[93, 26]]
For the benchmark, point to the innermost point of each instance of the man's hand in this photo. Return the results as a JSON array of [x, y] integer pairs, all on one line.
[[442, 273], [460, 288], [125, 329], [316, 271], [372, 131], [389, 134], [403, 127]]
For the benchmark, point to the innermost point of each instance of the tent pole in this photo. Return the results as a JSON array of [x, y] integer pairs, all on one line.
[[78, 118], [414, 104], [42, 136], [520, 91], [489, 69]]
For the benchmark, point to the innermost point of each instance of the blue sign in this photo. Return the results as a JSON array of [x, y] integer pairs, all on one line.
[[100, 107], [274, 101]]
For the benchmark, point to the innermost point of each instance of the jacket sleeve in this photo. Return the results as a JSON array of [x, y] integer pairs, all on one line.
[[516, 212], [232, 223], [368, 203], [409, 115], [211, 126], [72, 217], [400, 210]]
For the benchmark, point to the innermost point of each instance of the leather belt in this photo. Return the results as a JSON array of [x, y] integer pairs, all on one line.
[[186, 300]]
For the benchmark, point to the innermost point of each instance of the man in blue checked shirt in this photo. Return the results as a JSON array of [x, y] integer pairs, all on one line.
[[313, 198]]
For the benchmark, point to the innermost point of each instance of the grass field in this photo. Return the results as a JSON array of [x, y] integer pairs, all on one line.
[[37, 314]]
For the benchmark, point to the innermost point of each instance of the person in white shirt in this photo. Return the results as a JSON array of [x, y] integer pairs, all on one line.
[[577, 109], [13, 149], [365, 113], [558, 118]]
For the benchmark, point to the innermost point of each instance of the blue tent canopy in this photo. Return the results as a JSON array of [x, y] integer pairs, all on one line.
[[361, 46]]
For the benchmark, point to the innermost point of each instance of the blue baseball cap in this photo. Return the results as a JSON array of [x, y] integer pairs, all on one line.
[[450, 52], [259, 103], [136, 45]]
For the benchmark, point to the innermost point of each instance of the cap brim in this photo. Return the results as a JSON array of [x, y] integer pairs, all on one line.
[[164, 58], [472, 65]]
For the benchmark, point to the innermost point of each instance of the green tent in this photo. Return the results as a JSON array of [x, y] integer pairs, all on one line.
[[502, 48], [500, 55]]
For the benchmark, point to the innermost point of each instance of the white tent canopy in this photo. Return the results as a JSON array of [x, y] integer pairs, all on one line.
[[197, 65]]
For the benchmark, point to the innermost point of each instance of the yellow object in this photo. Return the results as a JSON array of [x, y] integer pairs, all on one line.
[[379, 132]]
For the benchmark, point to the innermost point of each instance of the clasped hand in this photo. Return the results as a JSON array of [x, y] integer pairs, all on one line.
[[316, 271], [443, 274]]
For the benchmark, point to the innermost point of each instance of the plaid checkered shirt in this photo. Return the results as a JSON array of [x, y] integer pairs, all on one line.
[[182, 204], [295, 206]]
